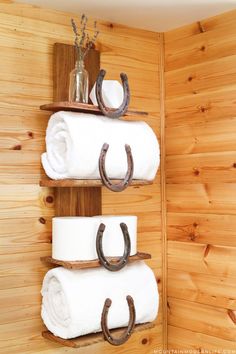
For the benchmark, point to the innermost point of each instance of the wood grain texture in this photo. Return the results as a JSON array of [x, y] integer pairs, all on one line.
[[217, 291], [201, 108], [48, 182], [183, 51], [78, 201], [27, 37], [203, 259], [210, 198], [202, 168], [202, 228], [200, 174], [206, 319], [186, 339]]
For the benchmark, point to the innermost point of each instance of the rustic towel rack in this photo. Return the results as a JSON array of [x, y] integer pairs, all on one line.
[[83, 197]]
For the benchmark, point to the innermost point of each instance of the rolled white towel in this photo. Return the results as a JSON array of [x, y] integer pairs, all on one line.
[[74, 142], [74, 237], [73, 300]]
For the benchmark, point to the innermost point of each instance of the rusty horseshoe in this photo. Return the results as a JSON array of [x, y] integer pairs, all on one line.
[[126, 335], [111, 112], [113, 267], [118, 187]]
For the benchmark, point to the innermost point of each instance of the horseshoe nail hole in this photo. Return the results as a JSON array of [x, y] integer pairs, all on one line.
[[49, 199], [144, 341]]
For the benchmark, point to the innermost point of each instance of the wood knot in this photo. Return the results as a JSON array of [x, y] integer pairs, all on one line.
[[111, 25], [202, 109], [30, 134], [196, 172], [17, 147], [192, 236], [195, 224], [234, 165], [42, 220], [158, 280], [144, 341], [203, 48], [190, 78], [49, 199]]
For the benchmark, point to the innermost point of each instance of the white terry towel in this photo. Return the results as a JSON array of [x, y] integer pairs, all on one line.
[[73, 300], [74, 142], [74, 237]]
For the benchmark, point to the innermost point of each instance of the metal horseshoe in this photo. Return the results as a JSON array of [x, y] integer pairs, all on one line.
[[124, 259], [126, 335], [111, 112], [119, 187]]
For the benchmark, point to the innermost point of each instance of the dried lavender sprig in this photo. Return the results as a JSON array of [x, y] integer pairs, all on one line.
[[84, 21], [82, 39], [90, 43]]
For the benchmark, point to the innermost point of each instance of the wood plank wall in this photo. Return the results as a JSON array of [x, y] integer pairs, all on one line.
[[27, 35], [200, 77]]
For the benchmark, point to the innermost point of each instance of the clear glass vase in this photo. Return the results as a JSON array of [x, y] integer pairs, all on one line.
[[79, 82]]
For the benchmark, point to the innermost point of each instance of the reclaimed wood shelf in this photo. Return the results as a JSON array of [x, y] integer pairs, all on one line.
[[140, 256], [48, 182], [81, 107], [93, 338]]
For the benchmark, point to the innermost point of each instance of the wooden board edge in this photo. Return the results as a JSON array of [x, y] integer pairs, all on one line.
[[91, 339], [139, 256]]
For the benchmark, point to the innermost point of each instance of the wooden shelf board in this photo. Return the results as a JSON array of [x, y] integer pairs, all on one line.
[[93, 338], [92, 263], [81, 107], [48, 182]]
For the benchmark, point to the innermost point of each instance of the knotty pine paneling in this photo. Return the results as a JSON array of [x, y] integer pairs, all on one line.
[[202, 228], [27, 36], [210, 320], [207, 289], [200, 77], [180, 338]]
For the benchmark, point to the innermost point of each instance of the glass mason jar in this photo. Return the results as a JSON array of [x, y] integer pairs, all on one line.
[[79, 82]]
